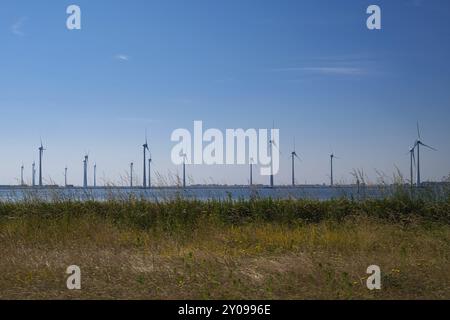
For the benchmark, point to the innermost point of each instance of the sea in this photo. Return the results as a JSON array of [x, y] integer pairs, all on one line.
[[202, 193]]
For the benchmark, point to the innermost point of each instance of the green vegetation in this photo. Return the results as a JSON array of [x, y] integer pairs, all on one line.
[[268, 249]]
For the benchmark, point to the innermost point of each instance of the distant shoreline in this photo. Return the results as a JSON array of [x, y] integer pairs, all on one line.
[[220, 187]]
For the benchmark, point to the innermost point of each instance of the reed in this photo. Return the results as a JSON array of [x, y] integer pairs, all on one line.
[[130, 248]]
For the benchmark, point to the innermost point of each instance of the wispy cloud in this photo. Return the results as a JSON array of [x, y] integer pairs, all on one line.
[[122, 57], [16, 27], [329, 66], [345, 71]]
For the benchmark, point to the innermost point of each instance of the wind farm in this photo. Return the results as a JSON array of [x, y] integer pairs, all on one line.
[[414, 168], [151, 190]]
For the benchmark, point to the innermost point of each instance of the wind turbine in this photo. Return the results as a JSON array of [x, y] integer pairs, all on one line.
[[21, 175], [332, 157], [131, 174], [85, 172], [251, 171], [417, 145], [184, 169], [33, 174], [41, 153], [95, 175], [65, 177], [294, 155], [145, 147]]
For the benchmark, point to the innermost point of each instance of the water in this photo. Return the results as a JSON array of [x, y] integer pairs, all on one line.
[[202, 193]]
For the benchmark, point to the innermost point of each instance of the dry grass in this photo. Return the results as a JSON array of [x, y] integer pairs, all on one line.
[[216, 260]]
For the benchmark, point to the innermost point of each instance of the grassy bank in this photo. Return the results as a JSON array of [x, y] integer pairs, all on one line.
[[284, 249]]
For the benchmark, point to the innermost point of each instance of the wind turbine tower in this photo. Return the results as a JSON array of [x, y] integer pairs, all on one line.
[[145, 147], [131, 174], [33, 174], [251, 172], [41, 153], [22, 183], [65, 177], [85, 171], [95, 175], [150, 170], [294, 155], [332, 156]]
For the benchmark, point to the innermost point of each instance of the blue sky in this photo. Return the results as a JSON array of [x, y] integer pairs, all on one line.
[[311, 66]]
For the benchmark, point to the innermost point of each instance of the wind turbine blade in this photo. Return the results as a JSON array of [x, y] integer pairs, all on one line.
[[276, 147], [414, 158], [418, 131], [427, 146]]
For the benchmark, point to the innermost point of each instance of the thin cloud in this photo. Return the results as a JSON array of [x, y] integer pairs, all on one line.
[[16, 27], [122, 57], [345, 71], [347, 65]]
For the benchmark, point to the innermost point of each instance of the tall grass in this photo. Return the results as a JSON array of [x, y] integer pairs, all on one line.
[[129, 248], [182, 214]]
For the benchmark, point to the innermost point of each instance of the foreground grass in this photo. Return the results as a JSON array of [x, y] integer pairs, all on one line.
[[259, 249]]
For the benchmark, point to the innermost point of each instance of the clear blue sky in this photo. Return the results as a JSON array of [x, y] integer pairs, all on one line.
[[312, 66]]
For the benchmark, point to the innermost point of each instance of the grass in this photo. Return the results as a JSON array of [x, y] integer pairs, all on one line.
[[256, 249]]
